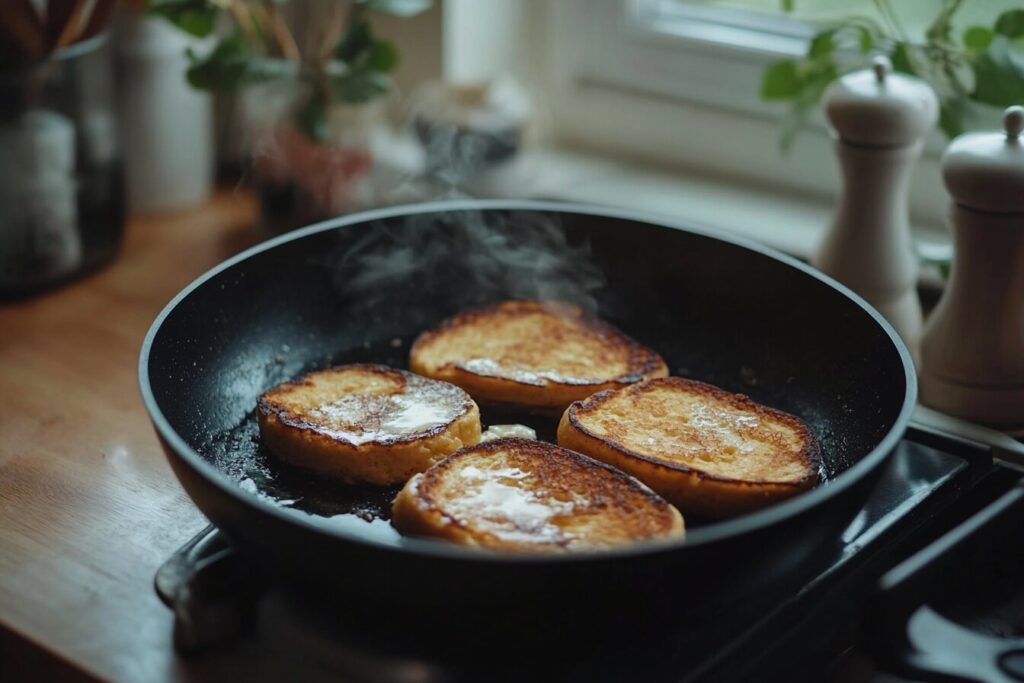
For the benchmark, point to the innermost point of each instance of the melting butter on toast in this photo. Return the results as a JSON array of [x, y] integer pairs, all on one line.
[[366, 423], [706, 450], [540, 355], [528, 496]]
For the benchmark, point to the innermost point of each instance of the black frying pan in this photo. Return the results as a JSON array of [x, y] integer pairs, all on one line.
[[718, 309]]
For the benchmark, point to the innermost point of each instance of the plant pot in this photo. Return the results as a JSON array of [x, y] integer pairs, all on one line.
[[301, 180]]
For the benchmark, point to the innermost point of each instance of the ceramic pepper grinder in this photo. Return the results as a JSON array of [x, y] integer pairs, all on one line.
[[972, 351], [879, 119]]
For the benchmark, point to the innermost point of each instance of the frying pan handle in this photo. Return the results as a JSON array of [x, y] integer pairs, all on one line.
[[913, 639], [211, 590]]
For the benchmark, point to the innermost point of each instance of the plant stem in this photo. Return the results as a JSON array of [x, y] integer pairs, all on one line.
[[334, 27], [890, 17], [284, 38], [67, 26], [243, 17]]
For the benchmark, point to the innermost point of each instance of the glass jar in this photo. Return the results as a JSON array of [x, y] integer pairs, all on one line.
[[300, 180], [61, 181]]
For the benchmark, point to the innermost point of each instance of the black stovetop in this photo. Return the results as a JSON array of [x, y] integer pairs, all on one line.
[[930, 484]]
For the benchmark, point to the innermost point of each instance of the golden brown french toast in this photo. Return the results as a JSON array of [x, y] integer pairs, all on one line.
[[528, 496], [366, 423], [708, 451], [541, 355]]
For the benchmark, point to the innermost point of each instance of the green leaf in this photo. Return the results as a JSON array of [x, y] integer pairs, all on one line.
[[399, 8], [867, 41], [196, 17], [814, 85], [361, 50], [780, 81], [357, 41], [1011, 23], [788, 5], [900, 58], [231, 64], [383, 56], [822, 45], [312, 119], [223, 68], [950, 120], [978, 38], [941, 28], [359, 86], [997, 81]]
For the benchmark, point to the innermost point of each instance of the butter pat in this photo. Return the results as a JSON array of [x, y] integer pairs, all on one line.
[[501, 431]]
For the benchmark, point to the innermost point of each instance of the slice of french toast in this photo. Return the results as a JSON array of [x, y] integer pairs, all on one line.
[[365, 423], [708, 451], [539, 355], [528, 496]]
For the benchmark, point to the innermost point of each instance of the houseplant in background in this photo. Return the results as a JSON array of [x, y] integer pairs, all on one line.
[[976, 73], [982, 67], [311, 152]]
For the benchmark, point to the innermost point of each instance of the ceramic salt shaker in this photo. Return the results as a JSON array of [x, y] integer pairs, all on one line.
[[879, 120], [972, 350]]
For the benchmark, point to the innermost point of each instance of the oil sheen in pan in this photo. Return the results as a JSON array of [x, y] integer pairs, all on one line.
[[363, 509]]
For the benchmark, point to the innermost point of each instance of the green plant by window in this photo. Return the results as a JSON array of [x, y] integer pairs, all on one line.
[[984, 65], [349, 64]]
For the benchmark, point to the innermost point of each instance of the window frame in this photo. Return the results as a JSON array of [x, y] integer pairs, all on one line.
[[627, 81], [715, 42]]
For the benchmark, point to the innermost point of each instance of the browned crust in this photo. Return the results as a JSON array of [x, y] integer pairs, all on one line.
[[266, 406], [541, 450], [810, 454], [642, 361], [416, 524]]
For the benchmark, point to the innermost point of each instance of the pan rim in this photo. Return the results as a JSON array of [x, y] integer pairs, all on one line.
[[703, 536]]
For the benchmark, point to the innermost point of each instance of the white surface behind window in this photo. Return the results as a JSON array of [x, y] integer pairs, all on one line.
[[677, 83]]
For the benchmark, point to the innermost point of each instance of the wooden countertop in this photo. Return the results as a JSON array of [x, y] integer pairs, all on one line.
[[89, 507]]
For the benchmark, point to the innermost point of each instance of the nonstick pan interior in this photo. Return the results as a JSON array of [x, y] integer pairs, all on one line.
[[721, 312]]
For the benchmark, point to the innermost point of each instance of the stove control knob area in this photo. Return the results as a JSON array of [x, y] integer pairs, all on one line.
[[972, 350]]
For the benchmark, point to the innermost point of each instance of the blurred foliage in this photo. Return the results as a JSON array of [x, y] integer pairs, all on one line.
[[985, 65], [350, 65]]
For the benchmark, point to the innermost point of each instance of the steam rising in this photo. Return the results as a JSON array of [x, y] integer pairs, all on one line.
[[428, 266], [412, 271]]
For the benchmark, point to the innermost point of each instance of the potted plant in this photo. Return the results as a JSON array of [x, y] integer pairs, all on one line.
[[311, 152], [982, 67]]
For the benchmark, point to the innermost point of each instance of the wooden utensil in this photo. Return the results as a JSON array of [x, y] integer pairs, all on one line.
[[27, 37]]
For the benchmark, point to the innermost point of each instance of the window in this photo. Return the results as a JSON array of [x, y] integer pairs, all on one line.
[[676, 82], [695, 53]]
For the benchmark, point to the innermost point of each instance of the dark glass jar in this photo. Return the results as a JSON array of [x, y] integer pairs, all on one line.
[[61, 182]]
